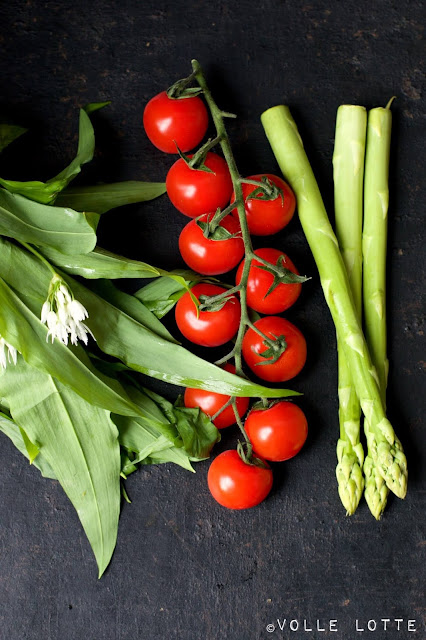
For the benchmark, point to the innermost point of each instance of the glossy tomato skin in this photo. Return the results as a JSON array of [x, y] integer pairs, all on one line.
[[277, 433], [259, 281], [211, 257], [235, 484], [211, 328], [175, 121], [289, 364], [195, 192], [210, 402], [266, 217]]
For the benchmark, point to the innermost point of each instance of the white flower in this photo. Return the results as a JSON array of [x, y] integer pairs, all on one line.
[[7, 353], [77, 311], [64, 315], [44, 311]]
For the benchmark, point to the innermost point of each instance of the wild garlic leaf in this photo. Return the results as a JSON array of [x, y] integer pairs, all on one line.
[[197, 432], [9, 427], [100, 263], [161, 295], [80, 444], [46, 192], [61, 229], [104, 197], [133, 307], [91, 107]]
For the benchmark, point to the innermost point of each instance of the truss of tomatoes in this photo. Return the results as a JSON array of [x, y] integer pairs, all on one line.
[[199, 185]]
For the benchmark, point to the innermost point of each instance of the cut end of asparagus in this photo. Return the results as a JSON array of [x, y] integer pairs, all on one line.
[[376, 492], [349, 475]]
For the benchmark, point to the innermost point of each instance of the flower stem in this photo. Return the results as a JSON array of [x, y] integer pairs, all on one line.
[[39, 256]]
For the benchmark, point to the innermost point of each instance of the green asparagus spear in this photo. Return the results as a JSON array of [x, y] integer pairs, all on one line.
[[287, 146], [348, 165], [374, 240]]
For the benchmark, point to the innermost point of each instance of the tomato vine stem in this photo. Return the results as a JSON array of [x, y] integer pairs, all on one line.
[[223, 139], [221, 296], [237, 180]]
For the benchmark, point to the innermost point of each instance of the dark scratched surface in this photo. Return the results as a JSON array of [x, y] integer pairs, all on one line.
[[185, 568]]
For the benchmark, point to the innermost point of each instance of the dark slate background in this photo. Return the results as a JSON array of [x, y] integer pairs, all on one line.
[[184, 567]]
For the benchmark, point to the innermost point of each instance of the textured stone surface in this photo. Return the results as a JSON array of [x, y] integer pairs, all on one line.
[[184, 567]]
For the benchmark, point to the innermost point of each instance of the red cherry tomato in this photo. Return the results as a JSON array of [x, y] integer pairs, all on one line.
[[194, 191], [289, 364], [265, 217], [259, 282], [175, 121], [210, 402], [207, 256], [235, 484], [277, 433], [210, 328]]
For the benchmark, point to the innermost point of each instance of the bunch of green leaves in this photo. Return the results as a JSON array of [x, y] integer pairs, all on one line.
[[80, 414]]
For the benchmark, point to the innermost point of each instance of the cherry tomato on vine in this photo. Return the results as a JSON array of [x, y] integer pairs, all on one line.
[[207, 256], [175, 121], [266, 217], [194, 191], [210, 328], [235, 484], [289, 363], [277, 433], [210, 402], [259, 281]]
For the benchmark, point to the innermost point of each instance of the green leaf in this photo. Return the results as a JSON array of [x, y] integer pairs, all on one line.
[[9, 133], [43, 192], [79, 442], [121, 336], [140, 438], [85, 151], [149, 447], [127, 466], [180, 278], [132, 306], [197, 431], [175, 455], [32, 449], [91, 107], [162, 443], [103, 197], [46, 192], [62, 229], [100, 263], [161, 295], [157, 419], [13, 432]]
